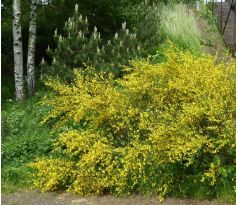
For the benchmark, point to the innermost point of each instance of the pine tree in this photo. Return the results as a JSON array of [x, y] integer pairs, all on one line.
[[148, 26], [80, 47]]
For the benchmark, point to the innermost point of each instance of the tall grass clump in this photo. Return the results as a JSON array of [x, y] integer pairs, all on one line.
[[178, 24], [162, 129]]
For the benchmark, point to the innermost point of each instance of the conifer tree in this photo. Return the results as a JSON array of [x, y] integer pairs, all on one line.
[[80, 47]]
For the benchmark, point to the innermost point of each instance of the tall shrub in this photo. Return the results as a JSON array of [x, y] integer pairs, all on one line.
[[160, 127]]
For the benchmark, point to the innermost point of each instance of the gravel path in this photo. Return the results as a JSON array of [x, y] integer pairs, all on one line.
[[37, 198]]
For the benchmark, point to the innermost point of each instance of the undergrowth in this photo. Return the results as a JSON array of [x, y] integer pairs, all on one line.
[[22, 140]]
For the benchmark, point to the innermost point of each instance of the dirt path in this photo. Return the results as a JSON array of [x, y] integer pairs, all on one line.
[[37, 198]]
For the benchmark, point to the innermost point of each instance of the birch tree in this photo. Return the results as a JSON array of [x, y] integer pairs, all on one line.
[[31, 49], [17, 49]]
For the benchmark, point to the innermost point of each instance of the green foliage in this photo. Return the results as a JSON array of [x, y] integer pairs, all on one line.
[[178, 23], [5, 130], [161, 129], [15, 176], [26, 147], [212, 21], [23, 138], [147, 25], [206, 10], [81, 47]]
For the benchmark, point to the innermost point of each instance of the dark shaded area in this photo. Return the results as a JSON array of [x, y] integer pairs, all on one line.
[[107, 15]]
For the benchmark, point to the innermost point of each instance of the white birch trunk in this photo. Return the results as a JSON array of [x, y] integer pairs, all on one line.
[[31, 49], [17, 49]]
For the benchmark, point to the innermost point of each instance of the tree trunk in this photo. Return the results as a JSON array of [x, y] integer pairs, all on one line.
[[17, 48], [31, 49]]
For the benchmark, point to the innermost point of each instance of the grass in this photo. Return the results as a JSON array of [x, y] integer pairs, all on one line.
[[23, 140], [15, 177], [179, 24]]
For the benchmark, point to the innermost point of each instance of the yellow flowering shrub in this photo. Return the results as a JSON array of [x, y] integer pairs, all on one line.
[[54, 173], [160, 127]]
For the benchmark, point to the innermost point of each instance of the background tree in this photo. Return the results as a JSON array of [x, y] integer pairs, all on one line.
[[31, 49], [80, 46], [17, 47]]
